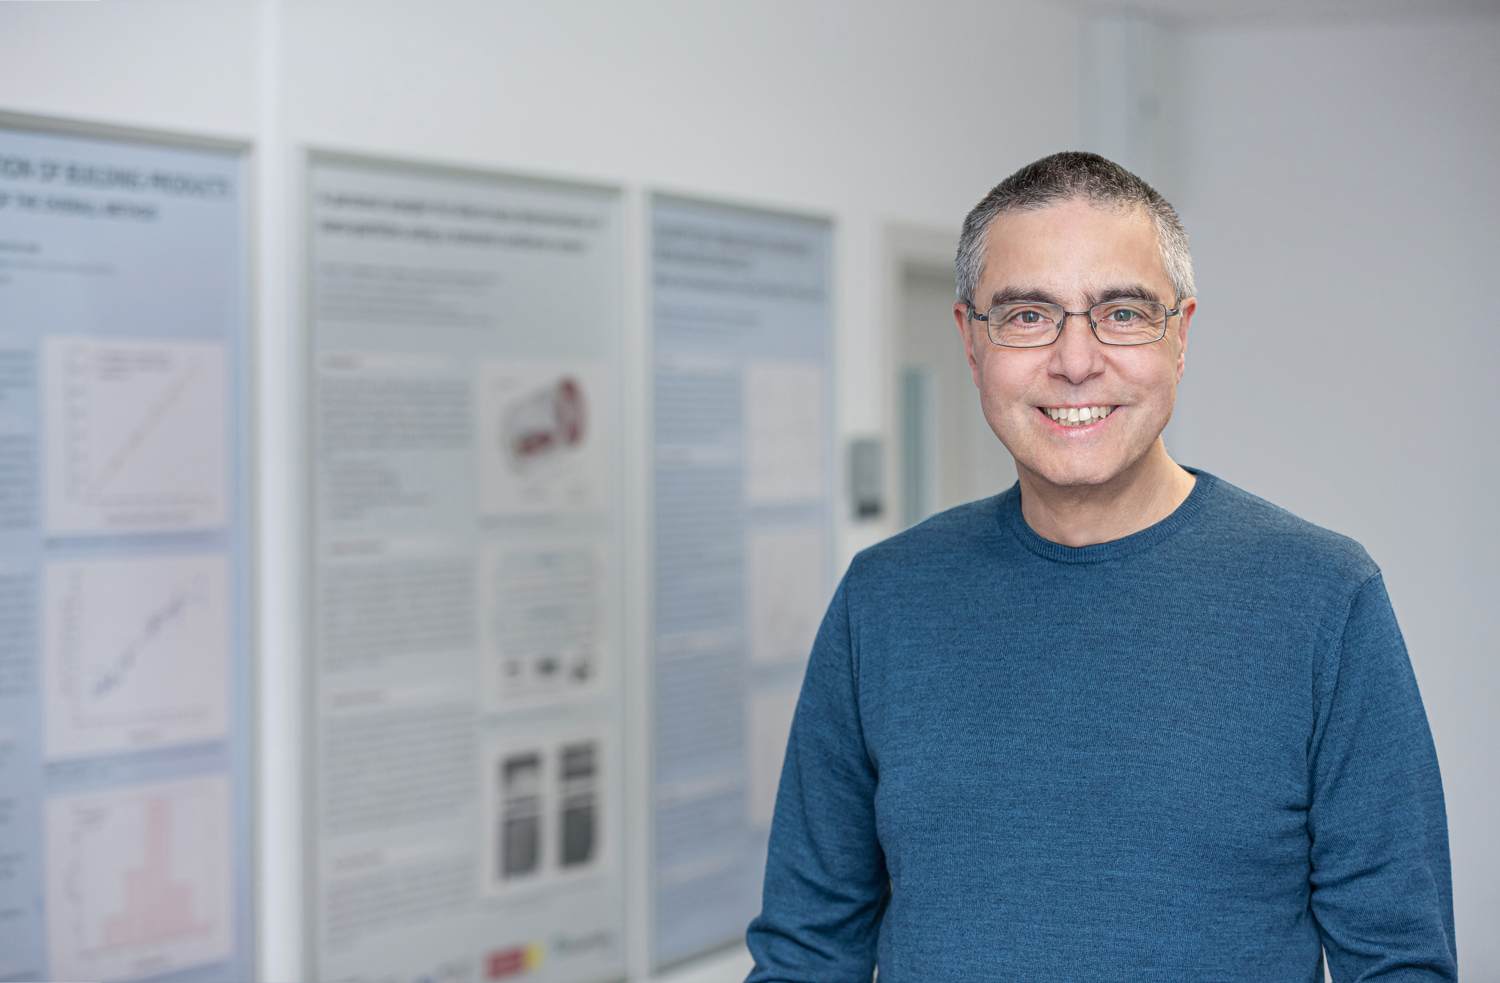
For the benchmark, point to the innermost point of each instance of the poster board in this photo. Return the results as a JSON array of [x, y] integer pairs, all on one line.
[[745, 485], [465, 766], [125, 556]]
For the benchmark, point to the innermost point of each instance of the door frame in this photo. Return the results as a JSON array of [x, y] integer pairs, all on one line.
[[906, 245]]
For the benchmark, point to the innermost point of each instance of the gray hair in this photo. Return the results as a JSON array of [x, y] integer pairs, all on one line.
[[1070, 176]]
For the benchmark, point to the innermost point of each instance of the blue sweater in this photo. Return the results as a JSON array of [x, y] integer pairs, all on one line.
[[1196, 753]]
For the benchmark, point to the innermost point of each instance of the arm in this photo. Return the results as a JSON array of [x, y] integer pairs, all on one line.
[[1381, 888], [826, 881]]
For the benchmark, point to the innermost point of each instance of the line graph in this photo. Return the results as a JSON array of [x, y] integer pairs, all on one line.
[[136, 653], [136, 437], [138, 879], [136, 434], [109, 677]]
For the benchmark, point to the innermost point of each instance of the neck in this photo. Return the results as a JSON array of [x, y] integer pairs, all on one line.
[[1082, 515]]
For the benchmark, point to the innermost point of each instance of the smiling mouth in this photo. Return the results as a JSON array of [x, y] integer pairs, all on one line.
[[1077, 416]]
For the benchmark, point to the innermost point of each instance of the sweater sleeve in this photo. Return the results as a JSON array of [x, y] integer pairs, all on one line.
[[1381, 887], [826, 882]]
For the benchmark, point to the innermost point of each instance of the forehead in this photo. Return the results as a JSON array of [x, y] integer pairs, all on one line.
[[1073, 245]]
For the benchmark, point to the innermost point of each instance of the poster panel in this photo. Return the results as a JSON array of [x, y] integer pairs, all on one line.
[[743, 536], [125, 556], [465, 817]]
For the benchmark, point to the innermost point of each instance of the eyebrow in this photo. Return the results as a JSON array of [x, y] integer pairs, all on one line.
[[1038, 295]]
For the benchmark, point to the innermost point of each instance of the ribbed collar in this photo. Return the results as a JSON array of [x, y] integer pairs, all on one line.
[[1011, 518]]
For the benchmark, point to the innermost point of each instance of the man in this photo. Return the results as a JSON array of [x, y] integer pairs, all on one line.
[[1123, 721]]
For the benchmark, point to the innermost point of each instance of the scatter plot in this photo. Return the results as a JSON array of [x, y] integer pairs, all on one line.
[[136, 653]]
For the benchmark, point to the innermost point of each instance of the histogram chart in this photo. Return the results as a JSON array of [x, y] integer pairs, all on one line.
[[136, 653], [136, 435], [138, 880]]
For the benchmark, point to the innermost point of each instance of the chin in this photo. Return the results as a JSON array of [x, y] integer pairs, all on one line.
[[1081, 471]]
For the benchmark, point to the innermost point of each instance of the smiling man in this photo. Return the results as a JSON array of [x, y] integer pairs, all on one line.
[[1123, 721]]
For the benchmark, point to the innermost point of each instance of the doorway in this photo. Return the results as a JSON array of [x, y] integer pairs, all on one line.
[[947, 454]]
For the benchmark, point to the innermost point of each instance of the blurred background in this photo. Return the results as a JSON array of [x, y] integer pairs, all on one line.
[[1333, 163]]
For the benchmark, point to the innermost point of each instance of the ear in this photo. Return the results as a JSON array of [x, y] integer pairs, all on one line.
[[961, 318], [1188, 306]]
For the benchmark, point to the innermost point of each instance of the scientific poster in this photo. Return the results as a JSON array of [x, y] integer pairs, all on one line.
[[744, 538], [125, 556], [465, 683]]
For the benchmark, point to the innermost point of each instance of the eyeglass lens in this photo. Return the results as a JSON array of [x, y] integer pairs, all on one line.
[[1118, 322]]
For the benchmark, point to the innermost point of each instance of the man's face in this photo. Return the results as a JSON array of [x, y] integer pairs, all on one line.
[[1075, 255]]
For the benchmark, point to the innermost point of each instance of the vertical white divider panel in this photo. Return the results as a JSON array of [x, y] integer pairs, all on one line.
[[279, 514], [640, 587]]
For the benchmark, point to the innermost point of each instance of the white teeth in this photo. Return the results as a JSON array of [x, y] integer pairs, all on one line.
[[1074, 416]]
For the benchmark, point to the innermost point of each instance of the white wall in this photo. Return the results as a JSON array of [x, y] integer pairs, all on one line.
[[867, 113], [1341, 199]]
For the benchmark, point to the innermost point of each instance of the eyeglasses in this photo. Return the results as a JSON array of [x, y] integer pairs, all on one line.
[[1115, 322]]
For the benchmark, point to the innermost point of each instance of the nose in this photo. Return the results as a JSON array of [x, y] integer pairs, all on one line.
[[1077, 355]]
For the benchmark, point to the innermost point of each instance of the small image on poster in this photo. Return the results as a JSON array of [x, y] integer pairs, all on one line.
[[544, 812], [136, 653], [540, 446], [544, 623], [137, 435], [138, 880], [783, 431], [786, 574], [770, 725]]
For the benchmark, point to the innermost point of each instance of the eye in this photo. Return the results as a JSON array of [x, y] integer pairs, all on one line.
[[1028, 317], [1123, 315]]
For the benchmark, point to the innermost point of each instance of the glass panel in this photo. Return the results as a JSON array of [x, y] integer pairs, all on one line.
[[1129, 322], [1024, 325]]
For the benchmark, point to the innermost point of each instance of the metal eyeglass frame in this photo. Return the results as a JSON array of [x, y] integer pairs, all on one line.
[[1063, 321]]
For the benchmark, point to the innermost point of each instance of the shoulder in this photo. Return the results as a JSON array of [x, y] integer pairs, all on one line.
[[909, 557], [1247, 527]]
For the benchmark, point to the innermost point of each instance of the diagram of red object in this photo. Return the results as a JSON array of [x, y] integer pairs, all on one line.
[[544, 422]]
